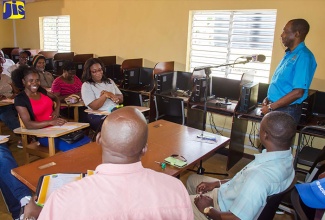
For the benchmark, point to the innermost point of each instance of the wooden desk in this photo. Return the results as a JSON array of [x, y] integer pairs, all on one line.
[[52, 132], [165, 138], [101, 112], [75, 110]]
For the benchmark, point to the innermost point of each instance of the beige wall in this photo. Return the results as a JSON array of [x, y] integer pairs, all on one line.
[[7, 36], [156, 30]]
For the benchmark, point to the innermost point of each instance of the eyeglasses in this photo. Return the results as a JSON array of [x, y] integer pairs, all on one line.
[[96, 71]]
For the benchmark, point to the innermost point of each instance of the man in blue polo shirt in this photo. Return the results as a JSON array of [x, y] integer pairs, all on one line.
[[292, 78]]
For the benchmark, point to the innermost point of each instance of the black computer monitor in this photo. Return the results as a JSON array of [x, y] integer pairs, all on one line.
[[146, 76], [164, 82], [318, 106], [131, 77], [183, 80], [114, 72], [262, 92], [225, 88]]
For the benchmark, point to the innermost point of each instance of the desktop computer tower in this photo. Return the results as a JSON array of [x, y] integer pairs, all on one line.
[[200, 85], [248, 97]]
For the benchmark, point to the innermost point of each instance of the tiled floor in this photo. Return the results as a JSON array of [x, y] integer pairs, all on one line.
[[217, 163]]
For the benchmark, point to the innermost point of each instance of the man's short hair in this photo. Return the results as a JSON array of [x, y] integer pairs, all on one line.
[[300, 25]]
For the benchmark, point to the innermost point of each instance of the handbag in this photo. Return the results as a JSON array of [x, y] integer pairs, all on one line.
[[73, 136]]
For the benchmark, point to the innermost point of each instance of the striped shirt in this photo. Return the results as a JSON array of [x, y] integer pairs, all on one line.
[[63, 88]]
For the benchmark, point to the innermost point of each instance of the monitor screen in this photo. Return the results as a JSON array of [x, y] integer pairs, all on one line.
[[318, 106], [145, 77], [262, 92], [131, 76], [114, 72], [183, 81], [225, 88], [164, 82]]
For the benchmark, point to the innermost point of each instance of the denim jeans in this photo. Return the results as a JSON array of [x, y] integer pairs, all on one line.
[[8, 115], [12, 189], [96, 121], [293, 110]]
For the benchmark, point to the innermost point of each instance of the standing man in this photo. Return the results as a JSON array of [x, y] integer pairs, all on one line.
[[292, 78]]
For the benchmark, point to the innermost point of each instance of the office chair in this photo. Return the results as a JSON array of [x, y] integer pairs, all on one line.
[[132, 98], [169, 108], [272, 203], [303, 212], [306, 155]]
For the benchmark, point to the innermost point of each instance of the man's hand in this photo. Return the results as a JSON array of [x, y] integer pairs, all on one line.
[[203, 201], [206, 187], [31, 209]]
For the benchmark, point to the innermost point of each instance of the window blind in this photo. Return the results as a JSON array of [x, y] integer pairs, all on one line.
[[56, 33], [221, 37]]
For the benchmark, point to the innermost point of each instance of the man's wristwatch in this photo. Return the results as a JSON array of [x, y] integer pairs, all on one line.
[[206, 211], [269, 107]]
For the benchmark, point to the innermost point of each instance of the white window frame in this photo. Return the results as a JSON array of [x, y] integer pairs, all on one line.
[[222, 37], [55, 33]]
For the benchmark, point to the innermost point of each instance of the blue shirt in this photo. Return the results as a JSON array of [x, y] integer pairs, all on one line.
[[245, 194], [295, 71]]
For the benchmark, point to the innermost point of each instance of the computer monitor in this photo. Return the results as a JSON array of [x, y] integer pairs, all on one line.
[[318, 105], [146, 76], [225, 88], [164, 82], [183, 80], [131, 77], [262, 92]]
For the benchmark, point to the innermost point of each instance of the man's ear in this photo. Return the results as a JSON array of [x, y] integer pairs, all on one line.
[[144, 150], [98, 138]]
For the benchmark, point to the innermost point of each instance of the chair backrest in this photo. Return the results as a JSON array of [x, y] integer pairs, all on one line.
[[302, 211], [170, 106], [272, 203]]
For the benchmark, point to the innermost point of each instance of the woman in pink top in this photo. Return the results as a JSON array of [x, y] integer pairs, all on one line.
[[35, 106], [66, 85]]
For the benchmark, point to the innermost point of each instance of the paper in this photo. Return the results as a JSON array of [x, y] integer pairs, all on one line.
[[49, 183], [63, 127], [3, 137]]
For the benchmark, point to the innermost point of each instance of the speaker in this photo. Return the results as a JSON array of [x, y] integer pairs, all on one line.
[[200, 84], [248, 97]]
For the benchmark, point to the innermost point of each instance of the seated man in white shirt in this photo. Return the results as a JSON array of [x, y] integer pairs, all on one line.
[[6, 64], [23, 60], [243, 196]]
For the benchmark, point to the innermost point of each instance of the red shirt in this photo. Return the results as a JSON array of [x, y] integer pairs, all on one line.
[[42, 108]]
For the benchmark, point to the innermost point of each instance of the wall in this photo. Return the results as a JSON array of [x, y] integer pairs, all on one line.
[[157, 30], [7, 36]]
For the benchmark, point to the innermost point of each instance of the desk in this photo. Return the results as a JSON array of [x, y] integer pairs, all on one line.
[[51, 132], [75, 110], [102, 112], [165, 138]]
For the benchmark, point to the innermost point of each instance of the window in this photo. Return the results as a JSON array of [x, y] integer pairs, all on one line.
[[222, 37], [55, 33]]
